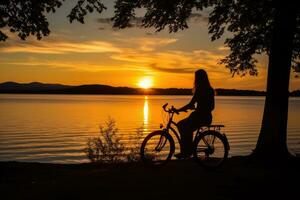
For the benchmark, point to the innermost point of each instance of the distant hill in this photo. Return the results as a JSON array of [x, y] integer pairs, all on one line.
[[43, 88], [13, 87], [235, 92]]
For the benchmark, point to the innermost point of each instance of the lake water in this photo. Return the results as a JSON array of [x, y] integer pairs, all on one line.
[[55, 128]]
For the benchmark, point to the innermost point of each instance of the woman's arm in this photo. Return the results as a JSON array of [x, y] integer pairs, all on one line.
[[190, 105]]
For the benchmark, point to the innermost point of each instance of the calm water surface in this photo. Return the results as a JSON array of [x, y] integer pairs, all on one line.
[[55, 128]]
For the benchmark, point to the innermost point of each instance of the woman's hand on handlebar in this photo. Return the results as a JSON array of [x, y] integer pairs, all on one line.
[[174, 110]]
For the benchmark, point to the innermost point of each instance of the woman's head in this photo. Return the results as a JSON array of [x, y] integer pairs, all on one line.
[[201, 82]]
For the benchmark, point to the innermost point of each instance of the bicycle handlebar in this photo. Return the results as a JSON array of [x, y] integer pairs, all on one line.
[[164, 106], [170, 110]]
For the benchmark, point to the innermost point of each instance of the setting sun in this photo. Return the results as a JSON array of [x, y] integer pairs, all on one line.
[[145, 82]]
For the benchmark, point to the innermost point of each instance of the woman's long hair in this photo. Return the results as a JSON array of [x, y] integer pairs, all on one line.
[[201, 83]]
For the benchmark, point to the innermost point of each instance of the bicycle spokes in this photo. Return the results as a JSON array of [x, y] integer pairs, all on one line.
[[210, 150], [209, 140], [206, 146], [157, 148], [162, 142]]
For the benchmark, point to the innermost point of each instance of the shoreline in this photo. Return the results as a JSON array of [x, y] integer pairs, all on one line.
[[236, 179]]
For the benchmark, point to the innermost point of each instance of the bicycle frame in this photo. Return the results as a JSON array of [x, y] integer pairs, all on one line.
[[169, 127], [199, 130], [203, 153]]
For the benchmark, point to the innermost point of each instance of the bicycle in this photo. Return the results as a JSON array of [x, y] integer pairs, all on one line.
[[210, 146]]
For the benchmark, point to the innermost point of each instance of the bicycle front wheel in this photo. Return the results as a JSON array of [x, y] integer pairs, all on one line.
[[210, 149], [157, 148]]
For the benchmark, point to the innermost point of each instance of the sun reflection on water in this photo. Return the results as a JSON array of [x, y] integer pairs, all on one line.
[[146, 114]]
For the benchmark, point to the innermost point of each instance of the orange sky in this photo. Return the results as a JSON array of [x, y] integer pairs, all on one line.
[[94, 53]]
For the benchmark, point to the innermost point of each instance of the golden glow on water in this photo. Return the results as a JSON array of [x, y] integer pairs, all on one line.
[[146, 113], [58, 126]]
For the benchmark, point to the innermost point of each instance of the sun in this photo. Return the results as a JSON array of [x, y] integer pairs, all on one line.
[[145, 82]]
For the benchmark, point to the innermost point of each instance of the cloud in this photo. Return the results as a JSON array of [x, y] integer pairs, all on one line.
[[205, 55], [71, 65], [59, 47], [136, 53], [173, 69], [150, 34], [51, 46], [104, 20], [223, 48], [147, 43], [171, 61], [198, 18], [135, 22]]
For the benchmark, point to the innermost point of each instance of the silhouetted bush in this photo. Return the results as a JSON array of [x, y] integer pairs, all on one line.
[[109, 148], [106, 147]]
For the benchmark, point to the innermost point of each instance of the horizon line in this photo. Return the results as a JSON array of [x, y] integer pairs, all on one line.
[[123, 86]]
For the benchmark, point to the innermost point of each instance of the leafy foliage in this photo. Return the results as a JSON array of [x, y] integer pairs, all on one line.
[[83, 7], [108, 147], [28, 17]]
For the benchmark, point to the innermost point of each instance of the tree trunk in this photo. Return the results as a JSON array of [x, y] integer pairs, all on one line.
[[273, 135]]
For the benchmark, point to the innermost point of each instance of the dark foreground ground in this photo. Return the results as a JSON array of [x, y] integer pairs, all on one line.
[[237, 179]]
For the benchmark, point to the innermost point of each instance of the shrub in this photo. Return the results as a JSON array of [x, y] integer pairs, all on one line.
[[108, 147]]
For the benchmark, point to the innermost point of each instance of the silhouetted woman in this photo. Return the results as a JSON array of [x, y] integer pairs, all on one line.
[[204, 98]]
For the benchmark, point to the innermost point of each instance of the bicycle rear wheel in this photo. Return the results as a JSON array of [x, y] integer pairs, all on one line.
[[157, 148], [210, 149]]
